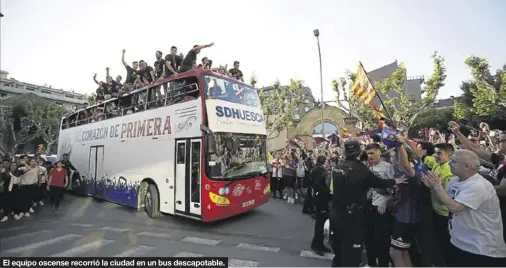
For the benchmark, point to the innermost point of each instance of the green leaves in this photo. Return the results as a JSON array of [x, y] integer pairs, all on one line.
[[485, 94], [279, 105], [90, 98], [398, 103], [22, 122]]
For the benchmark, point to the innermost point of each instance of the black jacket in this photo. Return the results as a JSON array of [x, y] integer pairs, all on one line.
[[352, 180], [320, 188]]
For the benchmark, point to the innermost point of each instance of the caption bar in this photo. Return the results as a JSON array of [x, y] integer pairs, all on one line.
[[114, 262]]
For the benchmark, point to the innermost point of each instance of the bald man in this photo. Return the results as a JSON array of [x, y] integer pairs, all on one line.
[[475, 221]]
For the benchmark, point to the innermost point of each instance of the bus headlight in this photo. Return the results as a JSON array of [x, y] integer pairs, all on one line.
[[218, 200], [267, 189]]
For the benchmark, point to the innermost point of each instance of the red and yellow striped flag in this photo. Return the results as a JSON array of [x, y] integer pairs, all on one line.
[[363, 88], [377, 111]]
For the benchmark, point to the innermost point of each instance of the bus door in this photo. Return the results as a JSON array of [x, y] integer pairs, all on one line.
[[187, 177], [95, 171]]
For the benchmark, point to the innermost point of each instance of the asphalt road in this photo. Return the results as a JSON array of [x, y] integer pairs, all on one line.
[[274, 235]]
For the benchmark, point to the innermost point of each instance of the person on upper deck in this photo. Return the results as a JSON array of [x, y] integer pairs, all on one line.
[[191, 57]]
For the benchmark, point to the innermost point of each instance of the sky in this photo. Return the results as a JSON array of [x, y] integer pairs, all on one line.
[[63, 43]]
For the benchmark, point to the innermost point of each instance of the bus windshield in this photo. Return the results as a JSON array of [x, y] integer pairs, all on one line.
[[230, 90], [237, 156]]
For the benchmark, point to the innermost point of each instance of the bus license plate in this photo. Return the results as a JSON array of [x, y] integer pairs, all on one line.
[[248, 203]]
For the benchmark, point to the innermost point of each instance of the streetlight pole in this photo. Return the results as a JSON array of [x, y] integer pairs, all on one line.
[[317, 34]]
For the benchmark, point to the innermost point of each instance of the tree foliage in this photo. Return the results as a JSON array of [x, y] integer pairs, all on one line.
[[354, 107], [47, 118], [485, 94], [22, 122], [279, 104], [90, 98], [432, 119], [398, 104]]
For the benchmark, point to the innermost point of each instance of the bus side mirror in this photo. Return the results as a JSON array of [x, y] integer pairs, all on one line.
[[211, 144]]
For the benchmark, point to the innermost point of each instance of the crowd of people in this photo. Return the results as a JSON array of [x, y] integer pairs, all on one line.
[[438, 200], [141, 74], [26, 182]]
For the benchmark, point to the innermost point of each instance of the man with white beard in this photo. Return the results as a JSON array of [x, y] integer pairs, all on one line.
[[475, 222]]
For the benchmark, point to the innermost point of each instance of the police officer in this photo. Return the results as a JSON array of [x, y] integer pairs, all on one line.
[[321, 198], [351, 181]]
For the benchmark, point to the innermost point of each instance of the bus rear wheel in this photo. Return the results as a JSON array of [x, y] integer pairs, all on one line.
[[152, 202]]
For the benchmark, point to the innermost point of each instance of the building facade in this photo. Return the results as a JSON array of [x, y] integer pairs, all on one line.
[[10, 87], [412, 85]]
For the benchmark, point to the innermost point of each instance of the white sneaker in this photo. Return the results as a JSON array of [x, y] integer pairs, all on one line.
[[27, 215], [4, 219], [41, 203], [17, 217], [31, 210], [34, 204]]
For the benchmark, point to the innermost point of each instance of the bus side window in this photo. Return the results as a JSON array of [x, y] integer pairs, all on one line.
[[64, 123], [181, 151]]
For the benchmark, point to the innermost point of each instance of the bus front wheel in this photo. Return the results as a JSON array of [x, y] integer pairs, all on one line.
[[152, 202]]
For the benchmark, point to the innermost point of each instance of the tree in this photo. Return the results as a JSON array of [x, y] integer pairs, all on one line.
[[432, 119], [26, 117], [16, 128], [398, 104], [90, 98], [279, 105], [485, 94], [47, 118], [354, 107]]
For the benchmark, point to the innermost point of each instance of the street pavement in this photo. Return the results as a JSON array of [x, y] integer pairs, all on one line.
[[274, 235]]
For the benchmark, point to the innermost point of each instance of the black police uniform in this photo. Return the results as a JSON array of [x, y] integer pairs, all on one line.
[[321, 198], [351, 181], [308, 207]]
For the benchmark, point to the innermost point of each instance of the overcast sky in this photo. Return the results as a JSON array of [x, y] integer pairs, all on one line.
[[64, 42]]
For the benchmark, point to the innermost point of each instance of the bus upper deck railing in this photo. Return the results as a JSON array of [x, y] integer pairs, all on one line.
[[136, 101]]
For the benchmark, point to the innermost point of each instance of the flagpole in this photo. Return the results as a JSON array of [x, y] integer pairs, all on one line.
[[377, 93]]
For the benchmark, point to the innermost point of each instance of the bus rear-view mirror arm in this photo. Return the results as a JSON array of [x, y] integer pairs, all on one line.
[[206, 130]]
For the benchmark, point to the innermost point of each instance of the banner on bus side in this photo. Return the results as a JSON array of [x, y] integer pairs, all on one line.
[[227, 116]]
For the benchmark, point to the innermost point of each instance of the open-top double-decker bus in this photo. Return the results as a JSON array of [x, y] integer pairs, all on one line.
[[192, 145]]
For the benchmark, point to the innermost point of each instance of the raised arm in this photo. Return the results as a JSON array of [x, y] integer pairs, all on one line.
[[202, 46], [123, 59], [95, 79], [482, 153]]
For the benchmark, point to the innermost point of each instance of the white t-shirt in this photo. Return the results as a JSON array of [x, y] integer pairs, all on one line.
[[386, 171], [30, 177], [478, 228]]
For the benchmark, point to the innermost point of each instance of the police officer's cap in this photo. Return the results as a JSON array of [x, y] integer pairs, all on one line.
[[352, 148]]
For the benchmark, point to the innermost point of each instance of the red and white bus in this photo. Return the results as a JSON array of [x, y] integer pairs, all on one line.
[[193, 145]]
